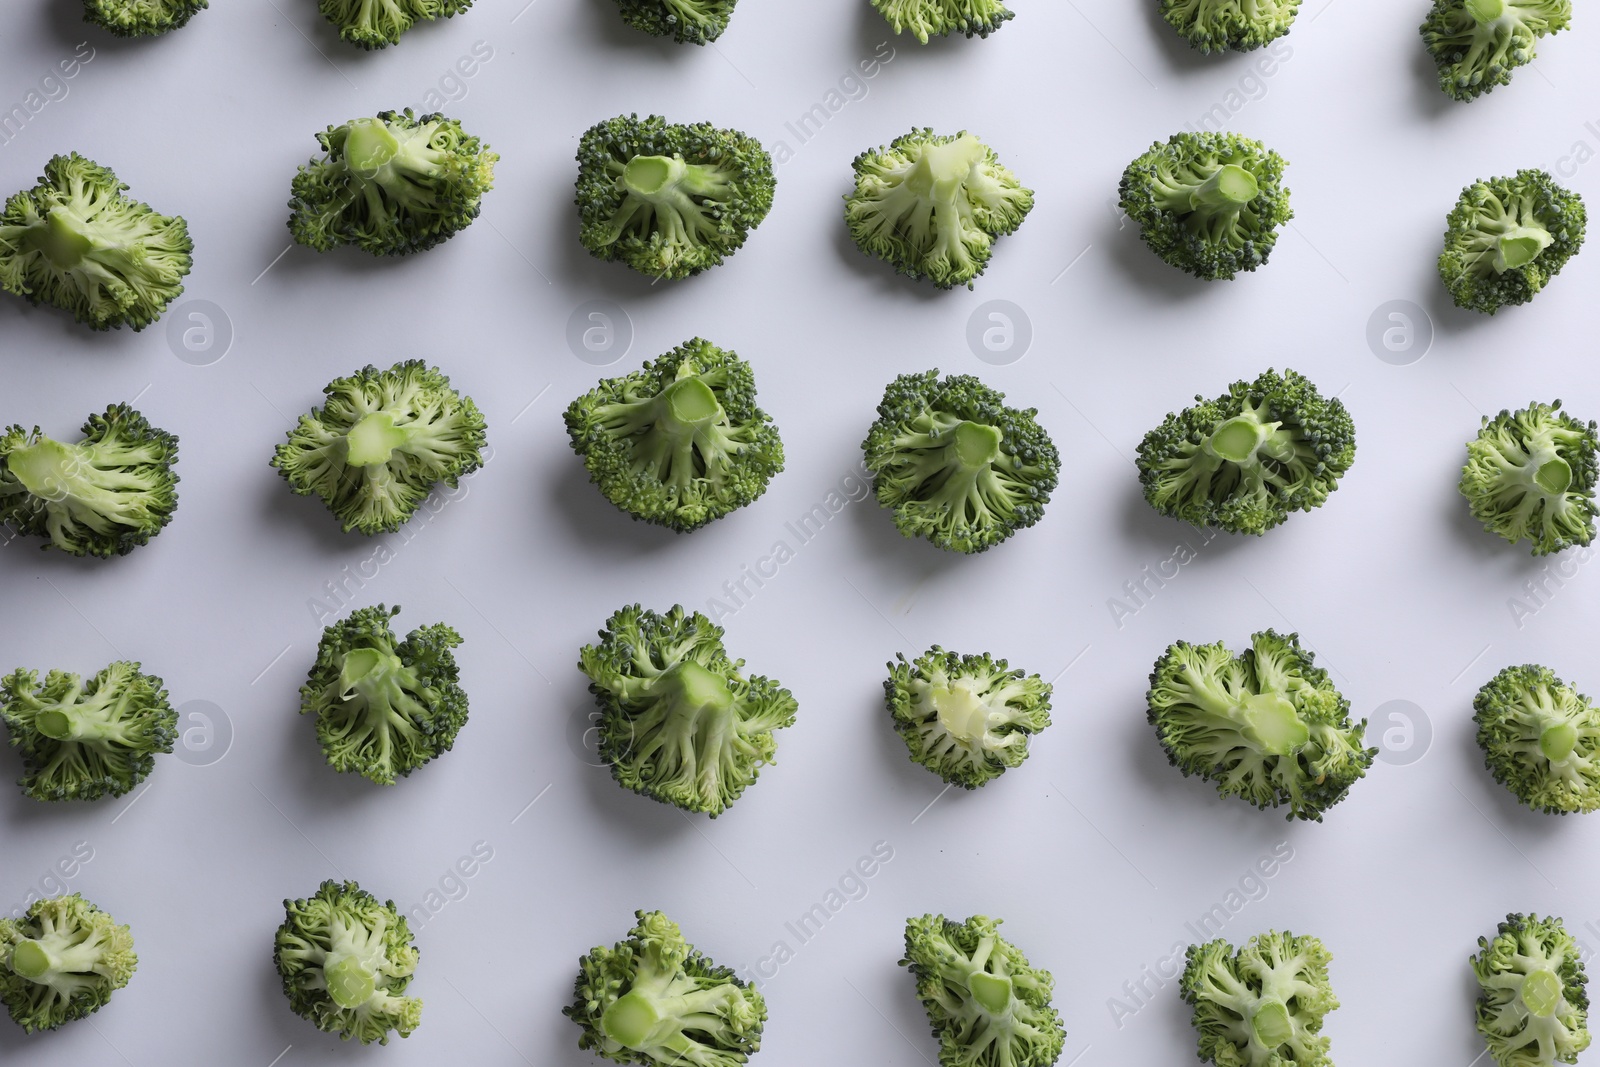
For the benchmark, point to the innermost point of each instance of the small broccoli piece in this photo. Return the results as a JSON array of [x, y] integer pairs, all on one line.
[[1208, 203], [391, 185], [1262, 1006], [1530, 475], [75, 242], [1247, 460], [141, 18], [940, 18], [678, 721], [371, 24], [965, 718], [1540, 739], [669, 200], [62, 961], [1267, 726], [957, 466], [1242, 25], [933, 206], [1507, 237], [653, 999], [1533, 1004], [1478, 43], [380, 443], [685, 21]]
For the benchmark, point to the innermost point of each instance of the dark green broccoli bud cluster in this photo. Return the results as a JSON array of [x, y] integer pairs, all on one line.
[[678, 721], [1507, 237], [1208, 203], [391, 184], [987, 1007], [955, 465], [940, 18], [346, 959], [62, 961], [685, 21], [653, 999], [1530, 476], [1540, 739], [965, 718], [1533, 1001], [371, 24], [1262, 1005], [1248, 459], [1240, 25], [141, 18], [679, 442], [1266, 726], [380, 443], [75, 242], [933, 206], [384, 707], [1478, 43]]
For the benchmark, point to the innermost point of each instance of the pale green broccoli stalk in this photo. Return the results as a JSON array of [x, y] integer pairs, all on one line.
[[1530, 475], [1507, 237], [1478, 43], [1540, 739], [685, 21], [965, 718], [678, 721], [141, 18], [1266, 726], [653, 999], [1240, 25], [370, 24], [346, 960], [987, 1007], [380, 443], [1533, 1004], [940, 18], [1262, 1006], [62, 961], [75, 242]]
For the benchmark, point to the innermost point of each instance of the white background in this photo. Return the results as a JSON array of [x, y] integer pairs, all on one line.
[[1095, 851]]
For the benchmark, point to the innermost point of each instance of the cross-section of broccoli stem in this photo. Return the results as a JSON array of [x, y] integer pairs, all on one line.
[[659, 195]]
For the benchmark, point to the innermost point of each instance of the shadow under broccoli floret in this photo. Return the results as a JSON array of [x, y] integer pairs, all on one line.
[[1533, 1000], [1476, 44], [940, 18], [1262, 1005], [1540, 739], [62, 961], [1239, 25], [1507, 237], [1530, 475]]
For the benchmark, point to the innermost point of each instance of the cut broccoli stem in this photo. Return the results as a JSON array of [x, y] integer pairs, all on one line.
[[350, 983], [1541, 993], [1272, 722], [374, 439], [961, 712], [1272, 1024], [992, 992], [1237, 439], [61, 238], [1230, 187], [1553, 475], [940, 170], [1484, 12], [31, 960], [369, 145]]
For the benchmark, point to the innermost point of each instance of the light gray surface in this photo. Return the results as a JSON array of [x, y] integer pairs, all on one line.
[[1095, 852]]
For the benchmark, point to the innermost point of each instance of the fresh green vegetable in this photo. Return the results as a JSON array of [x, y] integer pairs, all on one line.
[[1533, 1004], [940, 18], [965, 718], [685, 21], [1531, 476], [371, 24], [1507, 237], [1540, 739], [1214, 25], [1478, 43], [141, 18], [62, 961], [1262, 1006]]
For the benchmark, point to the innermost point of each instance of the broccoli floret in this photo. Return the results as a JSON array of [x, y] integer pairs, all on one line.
[[678, 721], [1531, 475], [62, 961], [391, 185], [380, 443], [685, 21], [1266, 726], [1507, 237], [988, 1008], [1533, 1004], [1208, 203], [141, 18], [669, 200], [965, 718], [1262, 1006], [75, 242], [653, 999], [371, 24], [940, 18], [1540, 739], [1242, 25], [933, 206], [680, 442], [1248, 459], [957, 466], [1478, 43], [345, 960]]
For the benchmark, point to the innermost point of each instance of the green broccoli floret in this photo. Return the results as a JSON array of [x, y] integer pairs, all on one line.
[[1540, 739], [1208, 203], [1247, 460], [965, 718], [679, 442], [1242, 25], [678, 721], [957, 466], [1267, 726], [1262, 1006], [933, 206], [391, 185], [685, 21], [988, 1008], [75, 242], [141, 18], [62, 961], [653, 999], [380, 443], [1478, 43], [1507, 237], [940, 18], [371, 24], [1530, 475], [1533, 1004]]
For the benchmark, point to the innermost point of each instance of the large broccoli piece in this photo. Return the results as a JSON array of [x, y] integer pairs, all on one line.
[[1507, 237], [653, 999], [1262, 1006], [678, 721], [685, 21], [380, 443], [669, 200], [965, 718], [371, 24], [1267, 726], [933, 206], [1214, 25], [75, 242], [1533, 1004], [957, 466], [1540, 739], [141, 18], [345, 959], [1248, 459], [1208, 203], [940, 18], [1530, 475], [391, 184], [62, 961], [1478, 43]]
